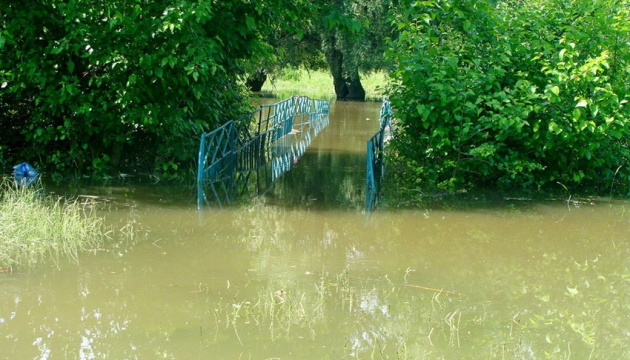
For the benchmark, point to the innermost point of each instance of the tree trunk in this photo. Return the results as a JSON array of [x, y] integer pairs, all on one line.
[[355, 88], [346, 87], [256, 80], [341, 88]]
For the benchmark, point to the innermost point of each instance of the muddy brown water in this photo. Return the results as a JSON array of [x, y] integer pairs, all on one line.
[[300, 274]]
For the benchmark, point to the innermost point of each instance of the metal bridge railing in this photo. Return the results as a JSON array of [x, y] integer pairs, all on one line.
[[233, 161], [375, 154]]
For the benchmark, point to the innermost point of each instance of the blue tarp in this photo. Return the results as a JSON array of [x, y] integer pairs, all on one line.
[[24, 174]]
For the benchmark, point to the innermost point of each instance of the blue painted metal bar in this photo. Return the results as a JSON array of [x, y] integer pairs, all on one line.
[[230, 157], [375, 156]]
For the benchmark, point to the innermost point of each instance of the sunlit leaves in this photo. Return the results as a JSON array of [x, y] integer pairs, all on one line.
[[582, 103], [543, 80], [96, 77]]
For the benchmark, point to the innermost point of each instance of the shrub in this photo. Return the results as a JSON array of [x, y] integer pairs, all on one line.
[[516, 95]]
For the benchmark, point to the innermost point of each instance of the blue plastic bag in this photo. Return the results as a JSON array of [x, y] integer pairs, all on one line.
[[24, 174]]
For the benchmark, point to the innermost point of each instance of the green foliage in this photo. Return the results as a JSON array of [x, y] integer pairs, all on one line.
[[345, 37], [515, 95], [358, 29], [94, 85], [353, 37]]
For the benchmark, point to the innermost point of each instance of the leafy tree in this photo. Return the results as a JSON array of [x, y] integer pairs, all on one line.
[[94, 85], [513, 94], [294, 48], [353, 34], [294, 44], [346, 36]]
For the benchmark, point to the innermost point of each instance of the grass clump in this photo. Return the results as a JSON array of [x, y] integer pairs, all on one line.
[[35, 228]]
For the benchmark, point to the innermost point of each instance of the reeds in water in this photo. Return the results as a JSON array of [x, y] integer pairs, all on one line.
[[35, 227]]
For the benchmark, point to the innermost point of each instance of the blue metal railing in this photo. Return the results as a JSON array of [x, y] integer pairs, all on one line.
[[232, 160], [375, 154]]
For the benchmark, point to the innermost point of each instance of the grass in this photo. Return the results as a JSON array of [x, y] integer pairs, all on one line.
[[35, 228], [381, 320], [319, 84]]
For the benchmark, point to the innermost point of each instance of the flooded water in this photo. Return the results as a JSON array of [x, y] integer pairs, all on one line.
[[301, 274]]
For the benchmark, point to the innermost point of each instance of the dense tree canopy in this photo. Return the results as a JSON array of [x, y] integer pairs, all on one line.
[[91, 85], [514, 94]]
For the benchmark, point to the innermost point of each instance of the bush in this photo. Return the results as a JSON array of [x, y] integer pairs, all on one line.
[[516, 95], [100, 87]]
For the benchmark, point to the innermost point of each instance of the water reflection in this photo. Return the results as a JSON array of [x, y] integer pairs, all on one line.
[[277, 279], [236, 161], [331, 174], [344, 185]]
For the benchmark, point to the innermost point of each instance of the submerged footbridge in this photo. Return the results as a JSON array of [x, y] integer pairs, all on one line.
[[245, 156]]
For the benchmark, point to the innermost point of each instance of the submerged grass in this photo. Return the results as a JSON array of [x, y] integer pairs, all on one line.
[[35, 228]]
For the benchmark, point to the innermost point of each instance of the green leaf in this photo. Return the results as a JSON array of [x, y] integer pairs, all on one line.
[[581, 103], [554, 128], [577, 113], [426, 18], [172, 61], [615, 133], [131, 80], [467, 25], [420, 109], [251, 23], [453, 61], [70, 66]]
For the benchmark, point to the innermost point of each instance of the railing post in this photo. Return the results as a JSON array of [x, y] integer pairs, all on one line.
[[375, 159], [230, 151]]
